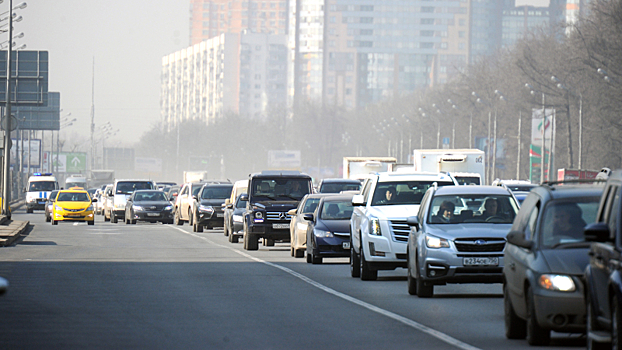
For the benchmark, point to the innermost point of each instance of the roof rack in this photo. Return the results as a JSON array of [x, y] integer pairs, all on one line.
[[572, 181]]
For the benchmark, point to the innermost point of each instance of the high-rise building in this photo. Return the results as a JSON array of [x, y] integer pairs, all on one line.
[[239, 73], [210, 18], [575, 9]]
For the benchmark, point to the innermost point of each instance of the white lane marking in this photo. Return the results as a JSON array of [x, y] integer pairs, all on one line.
[[416, 325]]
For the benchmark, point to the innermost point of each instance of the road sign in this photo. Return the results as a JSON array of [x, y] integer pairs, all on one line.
[[76, 162], [13, 123]]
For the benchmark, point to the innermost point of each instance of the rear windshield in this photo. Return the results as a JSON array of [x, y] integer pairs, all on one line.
[[131, 186], [280, 189], [73, 197], [403, 192], [216, 192], [37, 186]]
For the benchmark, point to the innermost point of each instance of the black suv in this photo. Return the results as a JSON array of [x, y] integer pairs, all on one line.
[[207, 210], [603, 274], [544, 262], [271, 194]]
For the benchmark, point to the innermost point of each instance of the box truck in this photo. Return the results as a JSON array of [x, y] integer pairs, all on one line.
[[466, 165], [360, 167]]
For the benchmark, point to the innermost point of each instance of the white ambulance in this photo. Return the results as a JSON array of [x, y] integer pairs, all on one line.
[[39, 187]]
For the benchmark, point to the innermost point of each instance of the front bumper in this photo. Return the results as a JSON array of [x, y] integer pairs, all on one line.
[[560, 311], [74, 216], [38, 204], [211, 219], [153, 216], [119, 213], [445, 265], [270, 231], [331, 246]]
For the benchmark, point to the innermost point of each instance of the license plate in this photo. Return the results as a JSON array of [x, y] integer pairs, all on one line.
[[153, 214], [280, 225], [72, 216], [345, 245], [220, 215], [41, 202], [480, 261]]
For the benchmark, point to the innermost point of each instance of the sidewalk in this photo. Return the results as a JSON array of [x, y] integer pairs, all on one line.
[[11, 230]]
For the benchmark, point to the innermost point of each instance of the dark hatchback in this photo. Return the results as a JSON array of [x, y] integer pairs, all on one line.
[[337, 185], [208, 211], [546, 255], [328, 232], [149, 206]]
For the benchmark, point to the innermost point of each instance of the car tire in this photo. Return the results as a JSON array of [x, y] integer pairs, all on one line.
[[197, 228], [178, 221], [291, 251], [133, 222], [54, 222], [106, 219], [251, 242], [230, 238], [91, 223], [29, 210], [355, 263], [616, 322], [536, 335], [412, 282], [269, 242], [48, 218], [423, 291], [190, 218], [316, 259], [592, 325], [113, 218], [299, 253], [234, 239], [515, 327], [127, 221], [309, 258], [367, 273]]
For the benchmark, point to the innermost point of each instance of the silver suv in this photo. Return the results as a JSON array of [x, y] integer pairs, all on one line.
[[458, 236]]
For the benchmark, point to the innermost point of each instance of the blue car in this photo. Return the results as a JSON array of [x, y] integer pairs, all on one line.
[[328, 232]]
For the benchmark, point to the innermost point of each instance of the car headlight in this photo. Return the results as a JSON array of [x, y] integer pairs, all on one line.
[[206, 208], [168, 207], [435, 242], [322, 233], [258, 215], [137, 207], [58, 208], [119, 205], [374, 227], [560, 283], [90, 208], [237, 218]]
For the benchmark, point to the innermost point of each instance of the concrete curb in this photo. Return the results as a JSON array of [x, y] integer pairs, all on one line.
[[11, 230]]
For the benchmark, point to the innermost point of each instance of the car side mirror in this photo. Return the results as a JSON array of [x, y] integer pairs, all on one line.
[[229, 206], [227, 201], [292, 212], [94, 200], [358, 200], [308, 217], [195, 198], [597, 232], [244, 197], [518, 239], [412, 220]]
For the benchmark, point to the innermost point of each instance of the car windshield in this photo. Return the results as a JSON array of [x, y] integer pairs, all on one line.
[[336, 210], [310, 205], [474, 208], [53, 195], [281, 189], [38, 186], [75, 184], [213, 192], [149, 196], [195, 189], [73, 197], [468, 180], [241, 204], [403, 192], [563, 220], [130, 187], [338, 187]]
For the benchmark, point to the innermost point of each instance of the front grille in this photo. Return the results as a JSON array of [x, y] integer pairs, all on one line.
[[400, 230], [480, 244], [277, 215], [74, 210], [342, 234]]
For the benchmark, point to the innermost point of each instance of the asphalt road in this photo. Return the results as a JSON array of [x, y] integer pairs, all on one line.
[[75, 286]]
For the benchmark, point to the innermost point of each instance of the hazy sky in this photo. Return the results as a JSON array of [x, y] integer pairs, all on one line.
[[126, 38]]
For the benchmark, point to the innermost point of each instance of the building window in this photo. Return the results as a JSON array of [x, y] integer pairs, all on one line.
[[427, 21], [427, 9]]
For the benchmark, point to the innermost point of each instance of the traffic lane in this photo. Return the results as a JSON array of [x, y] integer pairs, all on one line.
[[472, 313], [99, 303]]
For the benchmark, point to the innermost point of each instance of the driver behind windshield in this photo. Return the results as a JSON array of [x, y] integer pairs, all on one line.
[[490, 208]]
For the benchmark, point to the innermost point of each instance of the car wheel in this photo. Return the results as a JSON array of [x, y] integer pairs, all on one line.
[[54, 222], [197, 227], [251, 242], [133, 222], [291, 251], [355, 262], [309, 258], [412, 282], [91, 223], [29, 210], [316, 259], [113, 218], [515, 327], [128, 221], [269, 242], [234, 239], [616, 322], [226, 231], [423, 291], [592, 325], [536, 335], [190, 218], [231, 238], [106, 219], [178, 221], [48, 218], [299, 253], [367, 273]]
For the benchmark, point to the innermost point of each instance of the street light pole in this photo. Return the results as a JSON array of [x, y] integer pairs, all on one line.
[[6, 186]]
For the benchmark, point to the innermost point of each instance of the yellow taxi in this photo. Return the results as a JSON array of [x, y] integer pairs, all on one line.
[[73, 204]]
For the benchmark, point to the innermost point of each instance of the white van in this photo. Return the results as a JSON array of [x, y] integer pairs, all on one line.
[[75, 180], [38, 189]]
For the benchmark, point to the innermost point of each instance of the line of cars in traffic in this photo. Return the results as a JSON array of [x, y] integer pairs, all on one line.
[[558, 273]]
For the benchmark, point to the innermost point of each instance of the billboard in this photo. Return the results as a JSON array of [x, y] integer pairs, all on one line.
[[537, 124], [30, 85], [26, 150]]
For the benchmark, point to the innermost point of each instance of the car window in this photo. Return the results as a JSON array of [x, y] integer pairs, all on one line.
[[241, 204], [532, 221], [310, 205], [338, 187], [613, 214], [73, 197], [466, 208], [366, 189], [563, 220], [334, 210], [42, 186]]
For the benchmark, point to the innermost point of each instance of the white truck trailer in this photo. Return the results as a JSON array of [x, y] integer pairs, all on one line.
[[360, 167], [466, 165]]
